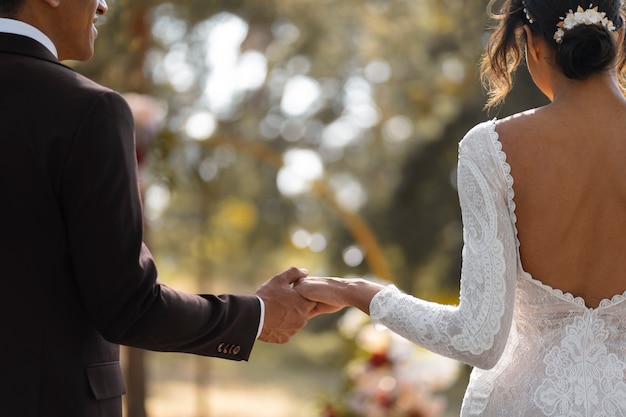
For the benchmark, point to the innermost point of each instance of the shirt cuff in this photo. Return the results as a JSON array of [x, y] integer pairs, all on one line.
[[262, 318]]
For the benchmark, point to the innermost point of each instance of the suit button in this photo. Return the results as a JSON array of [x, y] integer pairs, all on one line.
[[228, 349]]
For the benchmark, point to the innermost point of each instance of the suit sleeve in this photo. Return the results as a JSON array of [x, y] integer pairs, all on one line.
[[116, 275]]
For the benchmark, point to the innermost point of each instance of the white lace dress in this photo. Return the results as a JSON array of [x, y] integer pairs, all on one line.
[[535, 350]]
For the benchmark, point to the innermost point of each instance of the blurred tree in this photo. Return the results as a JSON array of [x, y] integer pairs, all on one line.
[[345, 80]]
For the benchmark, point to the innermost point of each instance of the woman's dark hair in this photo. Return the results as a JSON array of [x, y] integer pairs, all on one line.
[[584, 50], [10, 8]]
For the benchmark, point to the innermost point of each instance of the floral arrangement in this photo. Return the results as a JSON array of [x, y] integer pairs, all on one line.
[[388, 376], [591, 16]]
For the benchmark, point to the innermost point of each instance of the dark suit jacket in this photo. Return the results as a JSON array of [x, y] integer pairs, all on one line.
[[75, 278]]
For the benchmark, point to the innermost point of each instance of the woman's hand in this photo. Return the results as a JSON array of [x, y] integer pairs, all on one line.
[[333, 294]]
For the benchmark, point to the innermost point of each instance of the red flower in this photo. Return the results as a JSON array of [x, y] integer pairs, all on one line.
[[379, 359], [329, 411]]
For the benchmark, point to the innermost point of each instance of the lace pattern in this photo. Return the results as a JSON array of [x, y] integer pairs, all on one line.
[[476, 330], [581, 377]]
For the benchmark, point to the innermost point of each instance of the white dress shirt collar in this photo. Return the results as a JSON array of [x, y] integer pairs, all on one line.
[[18, 27]]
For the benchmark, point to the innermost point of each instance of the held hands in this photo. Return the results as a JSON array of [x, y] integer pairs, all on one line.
[[333, 294], [291, 298]]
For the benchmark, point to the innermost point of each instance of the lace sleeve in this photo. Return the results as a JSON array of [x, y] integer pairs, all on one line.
[[475, 331]]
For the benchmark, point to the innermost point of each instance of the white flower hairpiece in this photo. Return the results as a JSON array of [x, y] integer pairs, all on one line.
[[591, 16]]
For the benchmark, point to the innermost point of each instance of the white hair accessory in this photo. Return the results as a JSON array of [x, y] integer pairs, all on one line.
[[528, 16], [591, 16]]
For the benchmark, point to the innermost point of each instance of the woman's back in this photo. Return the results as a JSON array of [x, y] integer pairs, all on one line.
[[561, 358], [567, 161]]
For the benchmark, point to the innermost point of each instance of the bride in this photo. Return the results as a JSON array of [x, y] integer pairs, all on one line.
[[542, 317]]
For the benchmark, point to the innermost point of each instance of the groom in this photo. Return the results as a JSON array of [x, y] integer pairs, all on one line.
[[76, 279]]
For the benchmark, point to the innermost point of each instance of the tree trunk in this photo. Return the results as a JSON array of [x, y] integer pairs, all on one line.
[[135, 382]]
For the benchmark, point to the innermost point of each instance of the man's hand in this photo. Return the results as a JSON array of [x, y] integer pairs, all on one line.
[[286, 311]]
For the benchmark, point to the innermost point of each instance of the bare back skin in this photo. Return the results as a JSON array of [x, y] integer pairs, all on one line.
[[568, 162]]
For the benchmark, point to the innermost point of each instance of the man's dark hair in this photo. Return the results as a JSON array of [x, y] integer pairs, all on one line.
[[9, 8]]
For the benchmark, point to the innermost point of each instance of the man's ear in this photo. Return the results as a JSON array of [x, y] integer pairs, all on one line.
[[52, 3]]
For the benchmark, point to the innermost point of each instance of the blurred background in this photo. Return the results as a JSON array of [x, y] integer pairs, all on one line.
[[316, 133]]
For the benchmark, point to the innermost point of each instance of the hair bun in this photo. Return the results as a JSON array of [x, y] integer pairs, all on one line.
[[585, 50]]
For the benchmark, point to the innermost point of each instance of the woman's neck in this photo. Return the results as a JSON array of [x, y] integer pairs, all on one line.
[[598, 88]]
